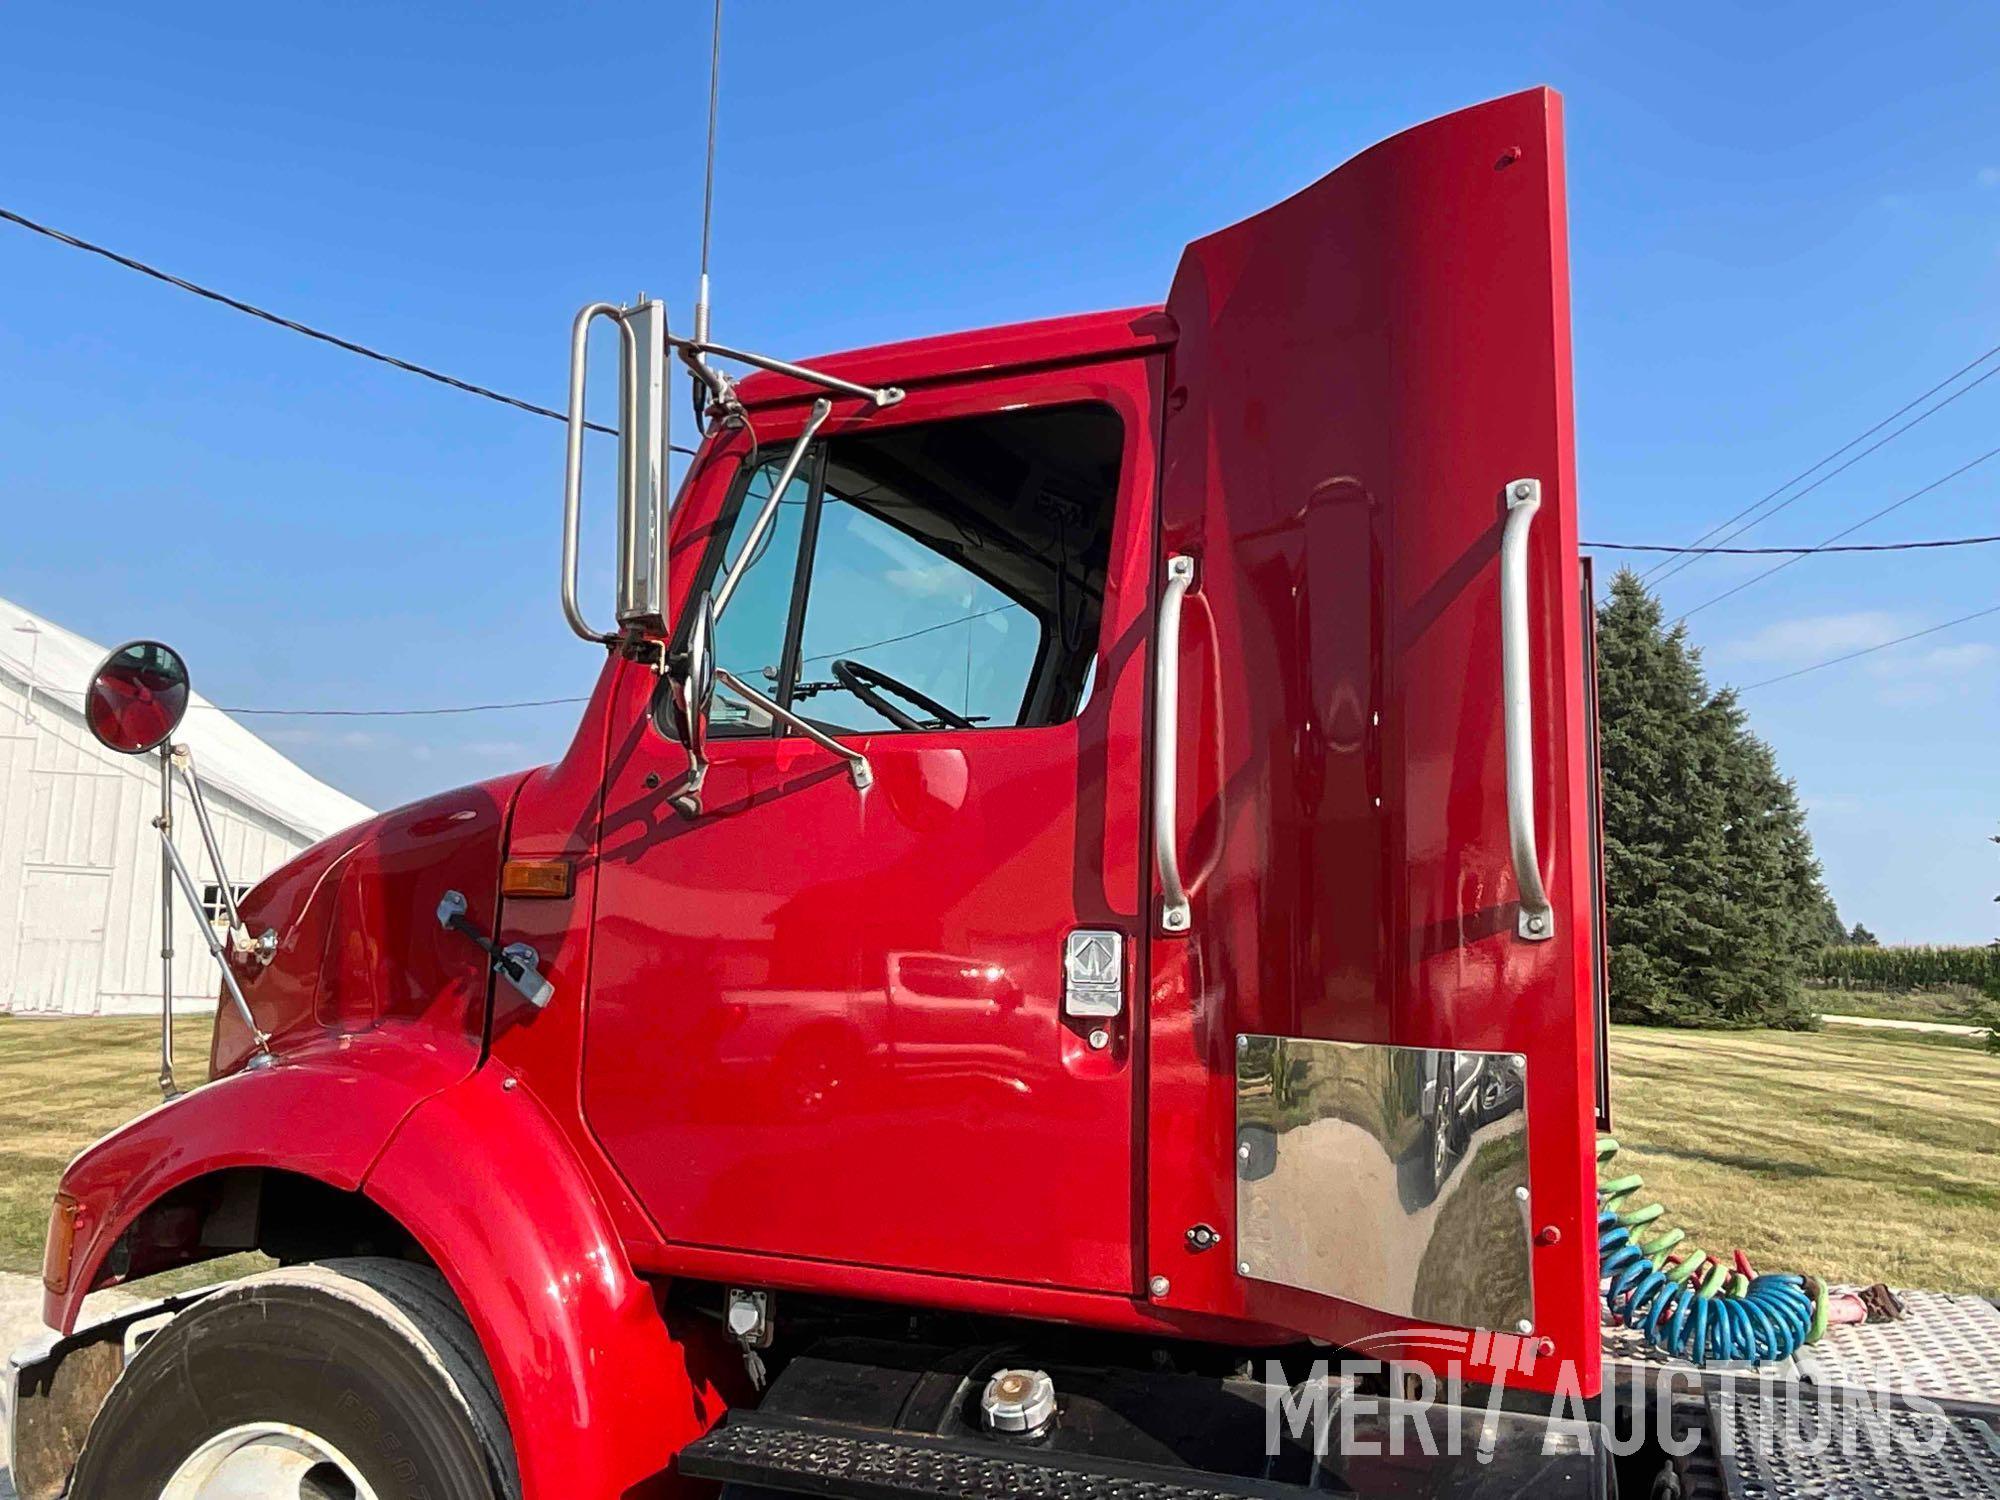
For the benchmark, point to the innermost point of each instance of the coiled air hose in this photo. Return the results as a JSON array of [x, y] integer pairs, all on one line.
[[1686, 1301]]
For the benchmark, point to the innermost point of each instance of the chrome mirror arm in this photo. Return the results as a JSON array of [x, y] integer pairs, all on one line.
[[178, 761], [858, 768], [821, 410], [694, 354], [263, 948]]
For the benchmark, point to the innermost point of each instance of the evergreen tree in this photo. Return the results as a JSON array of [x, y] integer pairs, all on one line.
[[1716, 898], [1861, 937]]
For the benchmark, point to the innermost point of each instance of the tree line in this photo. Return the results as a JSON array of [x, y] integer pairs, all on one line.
[[1717, 906], [1718, 911]]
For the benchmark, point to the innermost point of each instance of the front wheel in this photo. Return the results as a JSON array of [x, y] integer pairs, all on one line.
[[348, 1380]]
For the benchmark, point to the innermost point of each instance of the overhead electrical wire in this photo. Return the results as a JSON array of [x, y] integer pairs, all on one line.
[[292, 325], [1963, 370], [391, 713], [1676, 557], [1839, 469], [1693, 550], [481, 708], [1834, 661], [1827, 545], [477, 708], [1950, 541]]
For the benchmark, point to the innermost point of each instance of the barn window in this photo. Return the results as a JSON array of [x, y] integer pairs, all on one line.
[[212, 904]]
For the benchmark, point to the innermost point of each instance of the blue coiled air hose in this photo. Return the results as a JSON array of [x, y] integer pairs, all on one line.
[[1689, 1303]]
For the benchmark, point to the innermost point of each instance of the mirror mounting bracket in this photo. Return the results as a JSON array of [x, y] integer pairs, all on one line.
[[722, 389], [858, 769]]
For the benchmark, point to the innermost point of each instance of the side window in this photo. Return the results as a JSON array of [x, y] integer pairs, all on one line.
[[750, 635], [952, 575], [884, 612]]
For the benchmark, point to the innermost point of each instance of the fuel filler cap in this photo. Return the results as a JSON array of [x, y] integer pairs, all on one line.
[[1018, 1401]]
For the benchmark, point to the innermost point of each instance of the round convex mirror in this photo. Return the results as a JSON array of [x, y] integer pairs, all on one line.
[[137, 697]]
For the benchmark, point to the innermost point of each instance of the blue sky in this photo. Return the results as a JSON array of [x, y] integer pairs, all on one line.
[[1785, 223]]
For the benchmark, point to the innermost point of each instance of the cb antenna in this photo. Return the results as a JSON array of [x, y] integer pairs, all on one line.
[[708, 182]]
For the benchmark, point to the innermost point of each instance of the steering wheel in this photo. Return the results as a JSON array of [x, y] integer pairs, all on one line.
[[863, 681]]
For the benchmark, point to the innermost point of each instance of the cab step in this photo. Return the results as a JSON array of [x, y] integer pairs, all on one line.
[[802, 1456]]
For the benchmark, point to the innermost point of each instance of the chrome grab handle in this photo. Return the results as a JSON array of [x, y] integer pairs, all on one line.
[[1537, 922], [579, 335], [1174, 914]]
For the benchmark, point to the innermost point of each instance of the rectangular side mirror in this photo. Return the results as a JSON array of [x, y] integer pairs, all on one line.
[[642, 530]]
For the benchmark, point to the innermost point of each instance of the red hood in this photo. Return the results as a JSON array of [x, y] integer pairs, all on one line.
[[359, 945]]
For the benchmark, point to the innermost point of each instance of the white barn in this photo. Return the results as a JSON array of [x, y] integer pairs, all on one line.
[[79, 859]]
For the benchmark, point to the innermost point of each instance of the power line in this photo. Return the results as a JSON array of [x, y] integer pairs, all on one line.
[[389, 713], [237, 304], [1843, 469], [1860, 438], [1955, 541], [1834, 661], [70, 695], [998, 609], [481, 708], [1844, 531]]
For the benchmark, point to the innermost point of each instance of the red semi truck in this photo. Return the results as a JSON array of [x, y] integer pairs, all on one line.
[[1074, 897]]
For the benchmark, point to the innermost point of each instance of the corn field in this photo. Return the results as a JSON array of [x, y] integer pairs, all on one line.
[[1913, 968]]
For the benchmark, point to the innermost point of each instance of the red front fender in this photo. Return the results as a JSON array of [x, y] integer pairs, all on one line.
[[325, 1112], [600, 1393]]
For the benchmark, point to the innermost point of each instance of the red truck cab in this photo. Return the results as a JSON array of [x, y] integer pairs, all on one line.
[[1132, 884]]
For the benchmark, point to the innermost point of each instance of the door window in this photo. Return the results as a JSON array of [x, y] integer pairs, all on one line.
[[880, 605], [750, 633], [952, 575]]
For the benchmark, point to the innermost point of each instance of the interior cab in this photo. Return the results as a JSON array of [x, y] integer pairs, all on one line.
[[935, 575]]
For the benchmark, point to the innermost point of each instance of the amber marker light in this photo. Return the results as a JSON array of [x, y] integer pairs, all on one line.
[[538, 879], [61, 1243]]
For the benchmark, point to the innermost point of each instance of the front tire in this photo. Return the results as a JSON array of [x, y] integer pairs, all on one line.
[[345, 1380]]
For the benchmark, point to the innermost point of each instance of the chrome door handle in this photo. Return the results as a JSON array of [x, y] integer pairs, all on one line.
[[1537, 921], [1174, 913]]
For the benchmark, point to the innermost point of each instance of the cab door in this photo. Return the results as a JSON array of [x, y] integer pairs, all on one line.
[[1371, 377], [827, 1023]]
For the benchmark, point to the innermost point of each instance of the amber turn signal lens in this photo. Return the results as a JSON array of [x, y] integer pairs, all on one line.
[[61, 1243], [549, 879]]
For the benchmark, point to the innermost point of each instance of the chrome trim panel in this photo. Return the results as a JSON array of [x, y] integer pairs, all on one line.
[[52, 1387], [1392, 1177], [642, 540]]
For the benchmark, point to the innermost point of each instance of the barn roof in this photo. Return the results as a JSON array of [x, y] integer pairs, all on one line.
[[228, 757]]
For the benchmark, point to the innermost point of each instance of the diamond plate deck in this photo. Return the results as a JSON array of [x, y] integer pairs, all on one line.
[[1946, 1346], [1857, 1446]]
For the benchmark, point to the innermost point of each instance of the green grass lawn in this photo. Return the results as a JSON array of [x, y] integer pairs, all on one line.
[[62, 1085], [1855, 1155]]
